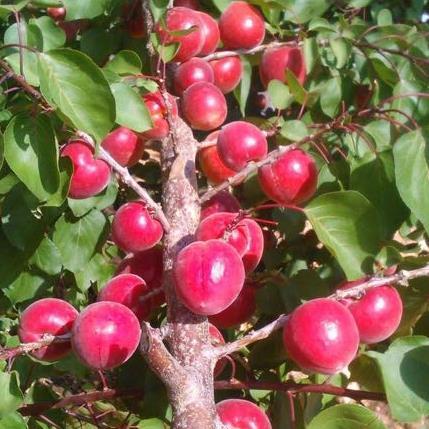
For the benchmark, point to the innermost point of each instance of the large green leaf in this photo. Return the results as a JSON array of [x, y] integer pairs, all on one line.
[[32, 153], [301, 11], [77, 87], [79, 9], [47, 257], [13, 421], [405, 370], [98, 271], [348, 225], [77, 239], [346, 416], [412, 173], [50, 36], [25, 287], [125, 62], [10, 393]]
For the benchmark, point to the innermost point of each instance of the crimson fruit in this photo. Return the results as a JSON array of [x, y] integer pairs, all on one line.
[[240, 142], [291, 179], [321, 336], [190, 72], [255, 246], [134, 229], [221, 202], [57, 13], [105, 335], [241, 26], [227, 73], [129, 290], [124, 145], [47, 316], [178, 19], [209, 276], [90, 175], [204, 106], [242, 414], [276, 61], [211, 34]]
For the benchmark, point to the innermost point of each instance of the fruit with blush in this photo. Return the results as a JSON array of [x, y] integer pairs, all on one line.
[[134, 229], [124, 145], [241, 26], [217, 340], [208, 276], [47, 316], [129, 290], [190, 72], [158, 111], [211, 164], [240, 142], [223, 201], [321, 336], [227, 73], [240, 311], [105, 335], [90, 175], [57, 13], [179, 19], [276, 61], [255, 246], [242, 414], [204, 106], [291, 179], [211, 34]]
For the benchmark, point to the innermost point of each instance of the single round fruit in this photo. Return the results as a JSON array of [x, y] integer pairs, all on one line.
[[255, 246], [227, 73], [158, 114], [276, 61], [211, 34], [191, 4], [241, 26], [90, 176], [217, 340], [211, 164], [57, 13], [321, 336], [204, 106], [241, 414], [105, 335], [377, 314], [149, 266], [192, 71], [124, 145], [128, 290], [134, 229], [179, 19], [240, 142], [209, 276], [240, 311], [47, 316], [221, 202], [291, 179]]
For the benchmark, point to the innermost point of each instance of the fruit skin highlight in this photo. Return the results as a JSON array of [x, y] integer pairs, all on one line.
[[227, 73]]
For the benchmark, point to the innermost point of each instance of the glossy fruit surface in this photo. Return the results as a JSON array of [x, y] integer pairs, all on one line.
[[240, 142], [239, 311], [134, 229], [208, 276], [227, 73], [105, 335], [255, 246], [321, 336], [241, 26], [217, 340], [190, 72], [128, 290], [211, 34], [276, 61], [204, 106], [47, 316], [221, 202], [124, 145], [178, 19], [57, 13], [90, 176], [242, 414], [291, 179]]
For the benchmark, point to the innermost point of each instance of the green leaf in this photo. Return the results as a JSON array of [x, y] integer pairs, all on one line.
[[242, 91], [51, 36], [301, 11], [1, 150], [10, 393], [32, 153], [73, 83], [13, 421], [279, 94], [341, 49], [384, 17], [7, 9], [344, 416], [405, 370], [298, 91], [158, 8], [47, 257], [348, 225], [25, 287], [98, 270], [98, 43], [414, 106], [412, 173], [131, 112], [151, 424], [311, 53], [29, 66], [330, 97], [80, 9], [125, 63], [77, 239], [294, 130]]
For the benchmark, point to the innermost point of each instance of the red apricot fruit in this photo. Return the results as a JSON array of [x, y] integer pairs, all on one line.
[[190, 72], [227, 73], [57, 13], [221, 202], [242, 414], [211, 34]]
